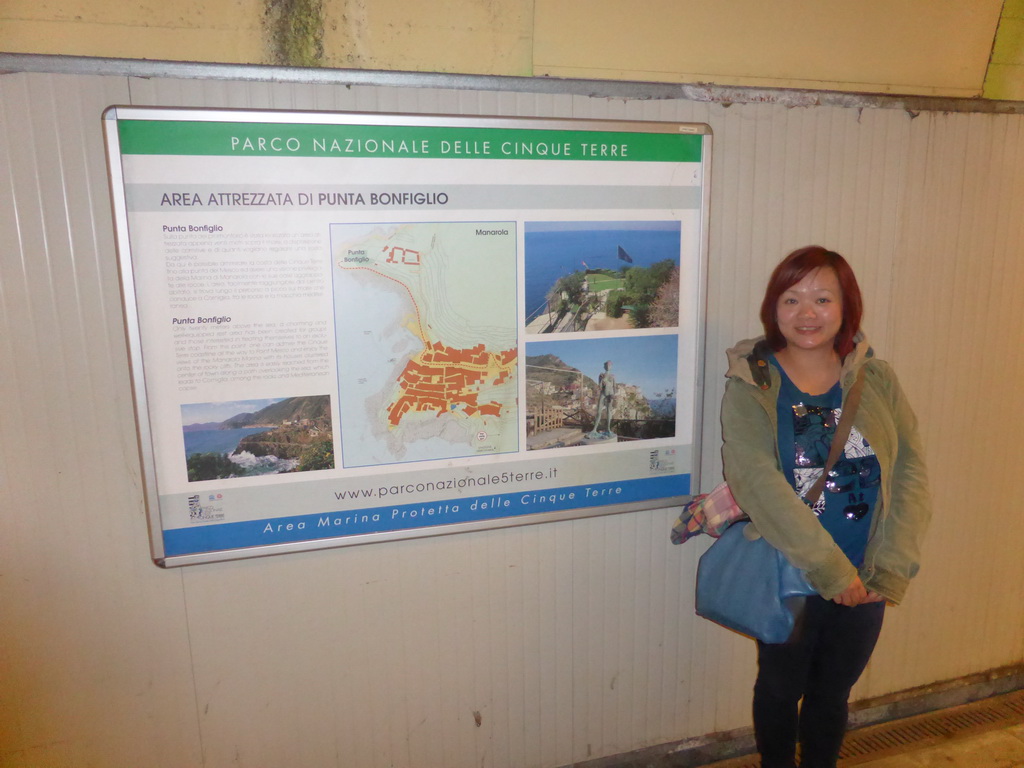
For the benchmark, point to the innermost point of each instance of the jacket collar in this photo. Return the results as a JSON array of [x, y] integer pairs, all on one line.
[[749, 361]]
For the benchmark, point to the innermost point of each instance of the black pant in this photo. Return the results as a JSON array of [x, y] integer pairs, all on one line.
[[820, 663]]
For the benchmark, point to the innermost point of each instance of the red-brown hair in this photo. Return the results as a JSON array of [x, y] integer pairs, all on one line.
[[794, 268]]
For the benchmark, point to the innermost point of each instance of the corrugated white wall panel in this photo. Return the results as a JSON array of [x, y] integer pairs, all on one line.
[[95, 652], [960, 320], [537, 646]]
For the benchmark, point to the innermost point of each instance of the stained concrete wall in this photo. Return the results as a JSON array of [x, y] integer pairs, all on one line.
[[920, 47]]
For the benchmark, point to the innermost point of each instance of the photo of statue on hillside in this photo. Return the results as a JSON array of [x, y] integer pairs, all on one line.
[[600, 390], [245, 438], [601, 276]]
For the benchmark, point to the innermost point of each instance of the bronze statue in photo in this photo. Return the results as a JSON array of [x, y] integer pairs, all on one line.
[[605, 400]]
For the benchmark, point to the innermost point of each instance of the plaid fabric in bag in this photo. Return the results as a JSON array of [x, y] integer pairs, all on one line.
[[709, 513]]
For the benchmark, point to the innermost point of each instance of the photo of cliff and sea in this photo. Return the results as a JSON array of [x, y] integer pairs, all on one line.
[[246, 438]]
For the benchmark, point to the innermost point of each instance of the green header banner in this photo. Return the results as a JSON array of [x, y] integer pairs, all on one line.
[[244, 139]]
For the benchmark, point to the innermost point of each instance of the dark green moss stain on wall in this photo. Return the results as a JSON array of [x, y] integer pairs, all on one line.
[[296, 30]]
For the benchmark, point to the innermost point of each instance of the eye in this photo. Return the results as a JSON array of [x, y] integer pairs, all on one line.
[[824, 300]]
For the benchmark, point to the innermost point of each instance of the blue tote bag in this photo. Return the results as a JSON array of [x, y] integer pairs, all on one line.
[[748, 586]]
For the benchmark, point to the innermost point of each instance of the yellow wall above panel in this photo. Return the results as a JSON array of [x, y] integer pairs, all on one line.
[[229, 31], [925, 47], [226, 14], [907, 47], [479, 37]]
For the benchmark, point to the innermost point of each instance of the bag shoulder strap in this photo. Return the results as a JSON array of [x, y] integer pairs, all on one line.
[[839, 438]]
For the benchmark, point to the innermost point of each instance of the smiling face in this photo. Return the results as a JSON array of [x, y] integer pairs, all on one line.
[[810, 312]]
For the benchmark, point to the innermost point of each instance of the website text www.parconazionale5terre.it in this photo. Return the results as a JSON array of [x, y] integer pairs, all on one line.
[[448, 484]]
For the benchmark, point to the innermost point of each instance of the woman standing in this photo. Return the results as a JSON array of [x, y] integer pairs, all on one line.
[[859, 544]]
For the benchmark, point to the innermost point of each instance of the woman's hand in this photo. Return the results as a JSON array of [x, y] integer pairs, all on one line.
[[855, 594]]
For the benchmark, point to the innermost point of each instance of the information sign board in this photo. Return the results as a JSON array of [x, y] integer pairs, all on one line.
[[352, 327]]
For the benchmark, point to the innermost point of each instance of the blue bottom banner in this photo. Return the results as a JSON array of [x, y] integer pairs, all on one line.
[[393, 518]]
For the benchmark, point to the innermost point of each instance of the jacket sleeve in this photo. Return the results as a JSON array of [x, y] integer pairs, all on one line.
[[762, 491], [894, 553]]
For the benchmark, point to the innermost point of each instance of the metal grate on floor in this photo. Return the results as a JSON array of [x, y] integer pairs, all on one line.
[[899, 736], [878, 741]]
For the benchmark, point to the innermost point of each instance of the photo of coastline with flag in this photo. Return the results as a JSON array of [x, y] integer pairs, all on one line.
[[601, 276]]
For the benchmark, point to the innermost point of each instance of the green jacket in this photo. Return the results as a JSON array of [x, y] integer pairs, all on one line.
[[753, 470]]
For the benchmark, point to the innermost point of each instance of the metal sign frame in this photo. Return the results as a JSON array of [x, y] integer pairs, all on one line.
[[331, 319]]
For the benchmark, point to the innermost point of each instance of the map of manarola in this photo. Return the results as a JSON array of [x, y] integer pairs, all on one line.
[[426, 329]]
